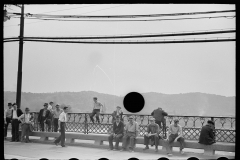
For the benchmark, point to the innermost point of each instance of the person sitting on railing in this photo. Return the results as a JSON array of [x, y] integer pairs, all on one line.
[[118, 128], [159, 114], [207, 134], [27, 120], [44, 117], [97, 109], [152, 134], [174, 134], [131, 133], [117, 112]]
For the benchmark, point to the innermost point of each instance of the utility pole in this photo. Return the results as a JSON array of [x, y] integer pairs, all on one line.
[[20, 58]]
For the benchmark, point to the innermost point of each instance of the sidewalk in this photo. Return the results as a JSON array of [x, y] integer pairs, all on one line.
[[84, 149]]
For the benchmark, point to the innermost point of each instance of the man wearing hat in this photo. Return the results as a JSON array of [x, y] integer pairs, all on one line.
[[97, 109], [174, 134], [62, 125], [207, 134], [56, 114], [159, 114], [44, 117], [152, 134], [131, 132], [117, 134], [27, 120], [7, 118], [117, 112], [16, 112]]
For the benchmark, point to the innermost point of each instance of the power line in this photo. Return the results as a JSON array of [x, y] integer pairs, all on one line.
[[195, 40], [228, 17], [132, 36], [126, 16]]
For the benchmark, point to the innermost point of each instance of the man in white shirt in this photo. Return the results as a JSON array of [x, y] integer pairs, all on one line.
[[175, 134], [16, 112], [56, 114], [97, 109], [7, 118], [62, 125], [27, 120]]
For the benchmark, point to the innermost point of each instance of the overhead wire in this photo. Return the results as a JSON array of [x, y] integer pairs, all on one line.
[[134, 36]]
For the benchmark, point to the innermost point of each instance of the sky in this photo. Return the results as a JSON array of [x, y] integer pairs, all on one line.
[[118, 69]]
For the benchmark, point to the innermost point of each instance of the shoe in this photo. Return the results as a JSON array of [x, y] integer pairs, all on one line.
[[110, 149], [145, 148], [122, 150], [156, 150], [181, 152], [169, 154], [12, 141], [55, 143], [131, 150], [116, 149], [64, 146], [17, 141]]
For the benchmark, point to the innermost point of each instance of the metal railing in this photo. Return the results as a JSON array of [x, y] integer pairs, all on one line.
[[80, 122]]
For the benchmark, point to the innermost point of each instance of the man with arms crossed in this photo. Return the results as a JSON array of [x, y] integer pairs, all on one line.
[[97, 109], [117, 134], [62, 125]]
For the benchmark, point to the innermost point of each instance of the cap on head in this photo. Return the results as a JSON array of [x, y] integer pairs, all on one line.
[[50, 102], [130, 117], [210, 122], [65, 108], [57, 105], [45, 104], [9, 104], [95, 98], [152, 119], [117, 117], [27, 109], [176, 120], [119, 107], [14, 104]]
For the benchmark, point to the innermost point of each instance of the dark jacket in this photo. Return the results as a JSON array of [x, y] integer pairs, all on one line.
[[19, 113], [159, 114], [207, 135], [118, 129], [47, 116], [114, 114]]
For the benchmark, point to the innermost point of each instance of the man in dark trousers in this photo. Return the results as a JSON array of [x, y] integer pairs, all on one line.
[[118, 128], [207, 134], [16, 113], [62, 125], [159, 114], [152, 134], [44, 117], [7, 118], [97, 109]]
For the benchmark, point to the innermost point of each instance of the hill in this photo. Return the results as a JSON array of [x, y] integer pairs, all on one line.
[[195, 104]]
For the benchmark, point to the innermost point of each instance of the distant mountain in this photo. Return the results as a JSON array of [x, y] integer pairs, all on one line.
[[195, 104]]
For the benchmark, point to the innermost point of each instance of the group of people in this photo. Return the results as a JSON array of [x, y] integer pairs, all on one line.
[[15, 116], [127, 133]]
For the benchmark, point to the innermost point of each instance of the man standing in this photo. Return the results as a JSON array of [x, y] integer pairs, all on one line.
[[27, 120], [97, 109], [7, 118], [207, 134], [117, 112], [175, 134], [44, 117], [56, 114], [62, 124], [131, 133], [117, 134], [16, 112], [159, 114], [50, 108], [152, 134]]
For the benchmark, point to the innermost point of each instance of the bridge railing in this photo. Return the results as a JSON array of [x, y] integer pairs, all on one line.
[[80, 122]]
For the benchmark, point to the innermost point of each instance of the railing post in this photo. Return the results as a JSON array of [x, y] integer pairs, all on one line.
[[85, 125]]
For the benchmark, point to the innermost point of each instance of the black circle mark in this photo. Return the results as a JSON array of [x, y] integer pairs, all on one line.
[[133, 102]]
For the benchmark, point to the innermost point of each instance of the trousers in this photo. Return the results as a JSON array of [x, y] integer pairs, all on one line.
[[25, 132], [15, 130], [62, 135], [117, 139], [153, 138], [55, 124], [8, 120], [131, 136], [171, 139], [97, 112]]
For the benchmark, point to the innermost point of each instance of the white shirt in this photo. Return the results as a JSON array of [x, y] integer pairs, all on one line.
[[49, 107], [15, 114], [63, 117], [27, 117], [97, 105]]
